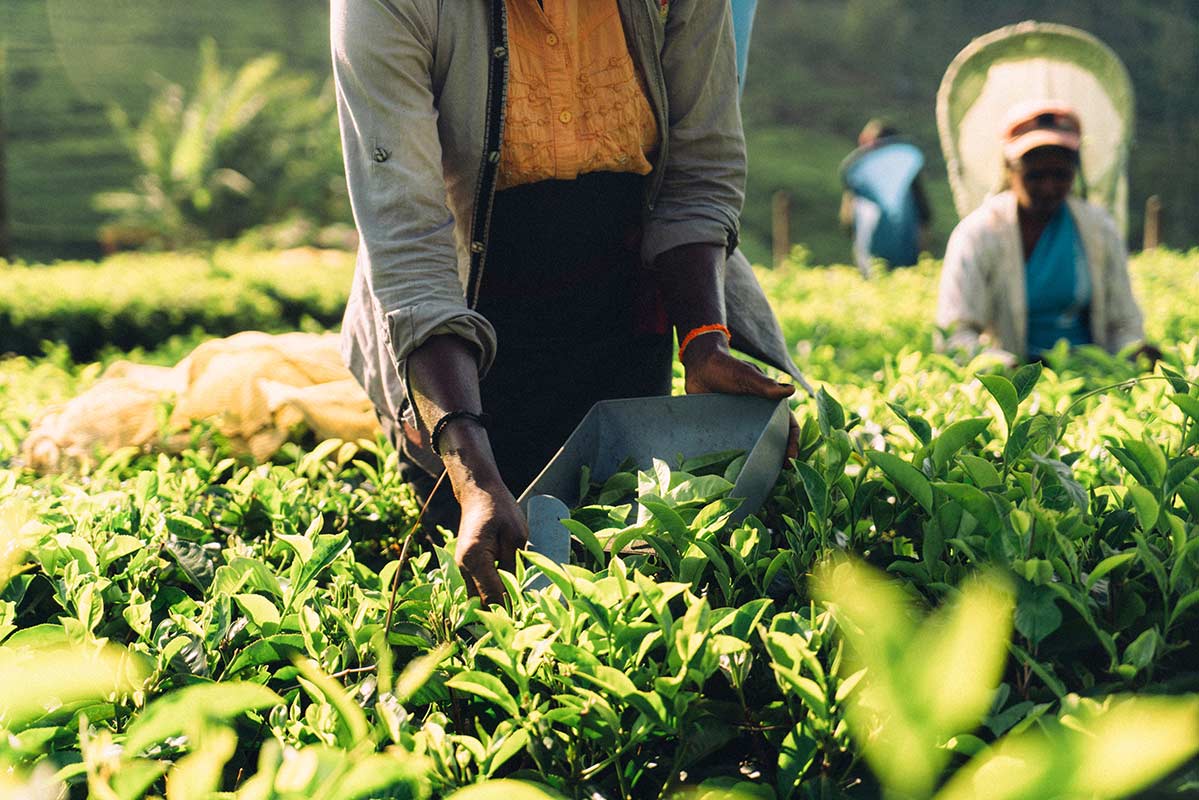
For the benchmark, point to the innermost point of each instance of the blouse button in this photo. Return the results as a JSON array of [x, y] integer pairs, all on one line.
[[565, 117], [551, 39]]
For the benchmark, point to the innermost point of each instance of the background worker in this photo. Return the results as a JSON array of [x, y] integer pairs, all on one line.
[[1036, 264], [534, 217], [884, 206]]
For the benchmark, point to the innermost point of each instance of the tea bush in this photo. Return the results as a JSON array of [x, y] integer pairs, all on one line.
[[141, 301], [1032, 637]]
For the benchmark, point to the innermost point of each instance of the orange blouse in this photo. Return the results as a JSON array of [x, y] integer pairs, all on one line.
[[576, 101]]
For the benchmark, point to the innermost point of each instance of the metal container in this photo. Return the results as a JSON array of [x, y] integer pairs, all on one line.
[[642, 429]]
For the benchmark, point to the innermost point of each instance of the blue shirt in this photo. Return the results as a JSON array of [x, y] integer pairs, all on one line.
[[1058, 286]]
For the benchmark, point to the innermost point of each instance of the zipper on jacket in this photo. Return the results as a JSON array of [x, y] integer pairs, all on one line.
[[493, 136]]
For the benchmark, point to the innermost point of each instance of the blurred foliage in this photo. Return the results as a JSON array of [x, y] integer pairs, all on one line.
[[241, 148], [142, 300]]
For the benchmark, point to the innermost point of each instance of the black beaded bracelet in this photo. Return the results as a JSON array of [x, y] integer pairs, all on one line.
[[481, 418]]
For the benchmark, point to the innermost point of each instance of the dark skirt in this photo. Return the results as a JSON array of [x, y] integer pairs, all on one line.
[[575, 317]]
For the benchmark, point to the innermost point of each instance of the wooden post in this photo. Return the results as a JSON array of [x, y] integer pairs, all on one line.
[[1153, 223], [780, 228]]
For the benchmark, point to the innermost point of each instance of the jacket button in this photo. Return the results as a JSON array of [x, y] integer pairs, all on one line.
[[476, 247], [494, 156], [381, 154]]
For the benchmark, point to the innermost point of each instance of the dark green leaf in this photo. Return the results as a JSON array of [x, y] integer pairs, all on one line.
[[917, 424], [1025, 379], [279, 649], [955, 437], [829, 413], [1065, 478], [816, 489], [904, 476], [198, 563], [1005, 395], [978, 503], [1037, 614]]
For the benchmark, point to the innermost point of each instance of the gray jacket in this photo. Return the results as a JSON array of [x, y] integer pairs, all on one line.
[[421, 87]]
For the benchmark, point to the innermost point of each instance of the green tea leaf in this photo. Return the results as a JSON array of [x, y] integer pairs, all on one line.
[[1065, 478], [978, 503], [192, 706], [905, 476], [1141, 651], [916, 424], [1107, 565], [816, 489], [486, 687], [260, 611], [796, 756], [1177, 382], [279, 649], [829, 413], [327, 549], [955, 437], [1005, 396], [1145, 505], [1037, 614], [1025, 380], [382, 775], [505, 789], [354, 727], [982, 472], [703, 489]]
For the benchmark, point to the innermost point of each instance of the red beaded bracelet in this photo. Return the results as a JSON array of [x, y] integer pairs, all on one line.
[[700, 331]]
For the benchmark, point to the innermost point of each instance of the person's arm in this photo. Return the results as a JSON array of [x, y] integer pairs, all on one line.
[[443, 375], [703, 178], [382, 67], [693, 225], [382, 70], [689, 277], [963, 297]]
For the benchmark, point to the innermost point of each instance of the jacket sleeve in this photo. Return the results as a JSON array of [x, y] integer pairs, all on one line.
[[963, 296], [1124, 322], [382, 67], [703, 185]]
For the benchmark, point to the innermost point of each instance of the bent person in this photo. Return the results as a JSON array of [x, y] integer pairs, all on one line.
[[1036, 264], [535, 216], [884, 206]]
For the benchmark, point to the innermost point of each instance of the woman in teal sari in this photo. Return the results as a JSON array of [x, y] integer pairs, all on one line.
[[1035, 265]]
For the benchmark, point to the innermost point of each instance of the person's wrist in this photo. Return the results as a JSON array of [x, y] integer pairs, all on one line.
[[466, 453], [703, 348]]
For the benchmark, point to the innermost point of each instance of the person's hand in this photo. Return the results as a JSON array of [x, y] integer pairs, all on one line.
[[711, 368], [492, 530]]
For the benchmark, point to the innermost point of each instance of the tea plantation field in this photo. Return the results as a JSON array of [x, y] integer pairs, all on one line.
[[974, 582]]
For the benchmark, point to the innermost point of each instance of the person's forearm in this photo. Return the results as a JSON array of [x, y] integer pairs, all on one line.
[[690, 278], [443, 376]]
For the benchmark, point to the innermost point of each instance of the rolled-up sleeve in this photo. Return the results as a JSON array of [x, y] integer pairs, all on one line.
[[382, 66], [703, 184]]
